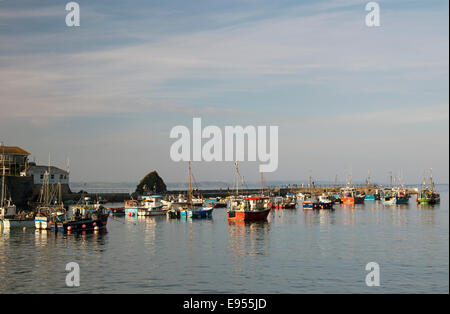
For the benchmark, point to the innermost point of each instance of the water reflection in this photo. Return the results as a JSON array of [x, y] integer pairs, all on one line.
[[248, 237], [319, 217]]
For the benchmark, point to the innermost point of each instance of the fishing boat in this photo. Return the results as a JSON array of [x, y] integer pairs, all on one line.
[[310, 203], [194, 208], [86, 205], [401, 195], [251, 208], [325, 202], [428, 195], [348, 195], [200, 212], [337, 198], [215, 202], [50, 208], [283, 203], [92, 220], [152, 206], [9, 218], [369, 197], [248, 209], [388, 197]]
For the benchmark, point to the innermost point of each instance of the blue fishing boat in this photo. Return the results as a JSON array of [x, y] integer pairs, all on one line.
[[202, 212], [190, 210], [310, 203], [370, 197]]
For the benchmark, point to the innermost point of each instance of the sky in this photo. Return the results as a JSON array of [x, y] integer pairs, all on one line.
[[347, 98]]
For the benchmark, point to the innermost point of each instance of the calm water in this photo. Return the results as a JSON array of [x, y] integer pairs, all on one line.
[[296, 251]]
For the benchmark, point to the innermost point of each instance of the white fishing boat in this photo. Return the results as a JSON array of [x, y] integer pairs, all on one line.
[[51, 208], [152, 206]]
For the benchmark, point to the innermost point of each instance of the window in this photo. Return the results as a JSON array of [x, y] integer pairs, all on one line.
[[42, 177], [52, 176], [61, 176]]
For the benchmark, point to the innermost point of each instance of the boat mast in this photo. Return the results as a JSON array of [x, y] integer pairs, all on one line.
[[236, 178], [3, 183], [431, 179], [190, 185], [262, 185], [390, 178]]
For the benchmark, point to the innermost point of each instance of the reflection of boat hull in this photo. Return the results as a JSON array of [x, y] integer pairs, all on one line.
[[248, 215], [16, 223]]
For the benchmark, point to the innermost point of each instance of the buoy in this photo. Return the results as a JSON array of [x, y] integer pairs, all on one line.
[[69, 228], [83, 226], [94, 224], [24, 228], [96, 228], [129, 214]]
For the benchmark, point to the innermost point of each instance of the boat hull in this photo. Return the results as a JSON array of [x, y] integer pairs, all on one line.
[[200, 213], [402, 200], [16, 223], [120, 211], [325, 205], [248, 215], [369, 197], [391, 201], [82, 225], [348, 201]]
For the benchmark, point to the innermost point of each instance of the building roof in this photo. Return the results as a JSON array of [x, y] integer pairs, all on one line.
[[13, 150], [45, 168]]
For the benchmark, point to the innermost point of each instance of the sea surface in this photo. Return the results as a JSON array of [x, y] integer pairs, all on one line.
[[295, 251]]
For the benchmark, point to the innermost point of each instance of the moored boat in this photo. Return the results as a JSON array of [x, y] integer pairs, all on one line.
[[248, 209], [325, 202], [348, 196], [428, 195]]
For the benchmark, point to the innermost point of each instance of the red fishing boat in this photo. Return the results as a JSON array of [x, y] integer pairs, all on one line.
[[249, 208]]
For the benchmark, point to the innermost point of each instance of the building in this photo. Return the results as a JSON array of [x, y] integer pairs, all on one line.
[[13, 158], [56, 175]]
